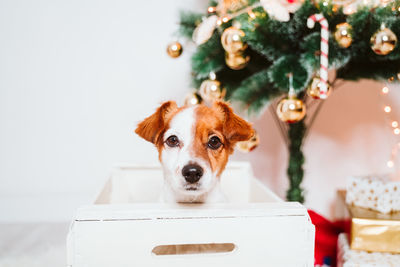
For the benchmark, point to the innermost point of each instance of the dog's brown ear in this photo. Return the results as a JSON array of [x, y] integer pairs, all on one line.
[[151, 127], [235, 129]]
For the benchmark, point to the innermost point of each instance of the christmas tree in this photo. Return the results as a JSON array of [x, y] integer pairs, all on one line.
[[270, 53]]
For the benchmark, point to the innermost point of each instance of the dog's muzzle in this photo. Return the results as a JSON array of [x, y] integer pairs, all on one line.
[[192, 173]]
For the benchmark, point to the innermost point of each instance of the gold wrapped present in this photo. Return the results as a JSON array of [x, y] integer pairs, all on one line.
[[370, 230]]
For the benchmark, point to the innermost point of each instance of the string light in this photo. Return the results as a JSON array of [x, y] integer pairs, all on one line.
[[385, 90], [395, 126], [225, 19], [211, 9], [390, 164], [251, 14]]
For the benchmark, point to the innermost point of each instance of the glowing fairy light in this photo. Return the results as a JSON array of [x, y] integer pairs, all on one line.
[[251, 14], [395, 124], [385, 90], [390, 164], [387, 109], [211, 9]]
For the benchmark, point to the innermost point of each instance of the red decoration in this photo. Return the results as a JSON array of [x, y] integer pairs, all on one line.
[[326, 235]]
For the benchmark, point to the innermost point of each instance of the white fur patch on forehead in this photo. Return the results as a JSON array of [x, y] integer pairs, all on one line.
[[182, 125]]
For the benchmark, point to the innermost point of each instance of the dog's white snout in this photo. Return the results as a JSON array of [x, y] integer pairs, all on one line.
[[192, 172]]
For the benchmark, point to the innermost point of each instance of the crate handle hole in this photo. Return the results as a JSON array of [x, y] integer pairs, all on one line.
[[185, 249]]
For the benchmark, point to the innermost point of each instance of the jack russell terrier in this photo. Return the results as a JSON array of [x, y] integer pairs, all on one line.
[[194, 144]]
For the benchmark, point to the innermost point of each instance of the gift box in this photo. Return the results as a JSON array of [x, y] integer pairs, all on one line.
[[369, 230], [346, 257], [127, 225], [377, 193]]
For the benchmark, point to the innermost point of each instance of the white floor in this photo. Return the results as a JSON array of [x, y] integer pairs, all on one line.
[[33, 245]]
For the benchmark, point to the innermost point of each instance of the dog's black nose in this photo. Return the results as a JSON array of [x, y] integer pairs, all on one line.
[[192, 173]]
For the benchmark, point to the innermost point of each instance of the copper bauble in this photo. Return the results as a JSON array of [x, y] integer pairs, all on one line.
[[228, 6], [314, 89], [236, 61], [231, 40], [383, 41], [211, 90], [249, 145], [343, 34], [174, 49], [192, 99], [291, 109]]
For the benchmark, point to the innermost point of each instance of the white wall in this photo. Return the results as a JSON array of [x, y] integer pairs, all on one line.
[[75, 77]]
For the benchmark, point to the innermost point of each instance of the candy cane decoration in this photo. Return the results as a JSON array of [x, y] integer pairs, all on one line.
[[324, 50]]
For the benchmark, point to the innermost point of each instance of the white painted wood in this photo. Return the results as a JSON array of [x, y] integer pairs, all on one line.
[[127, 222]]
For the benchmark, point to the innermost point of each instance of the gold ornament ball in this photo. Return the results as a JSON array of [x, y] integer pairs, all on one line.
[[343, 34], [226, 6], [249, 145], [236, 61], [192, 99], [315, 88], [174, 49], [383, 41], [291, 110], [231, 40], [210, 90]]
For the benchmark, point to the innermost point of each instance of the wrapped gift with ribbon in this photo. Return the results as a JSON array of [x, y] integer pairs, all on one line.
[[368, 229]]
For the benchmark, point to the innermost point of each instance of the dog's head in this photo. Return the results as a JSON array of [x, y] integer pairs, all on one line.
[[194, 144]]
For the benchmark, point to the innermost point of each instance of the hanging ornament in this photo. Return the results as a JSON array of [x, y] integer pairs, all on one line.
[[383, 41], [249, 145], [211, 89], [229, 6], [205, 30], [343, 34], [291, 109], [236, 61], [231, 40], [192, 99], [314, 90], [234, 46], [324, 63], [174, 49]]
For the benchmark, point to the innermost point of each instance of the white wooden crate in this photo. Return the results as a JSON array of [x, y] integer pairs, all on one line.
[[127, 225]]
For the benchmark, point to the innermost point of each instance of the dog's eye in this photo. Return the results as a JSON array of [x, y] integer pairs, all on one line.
[[172, 141], [214, 142]]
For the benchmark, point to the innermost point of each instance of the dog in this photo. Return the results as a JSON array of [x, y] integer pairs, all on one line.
[[194, 143]]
